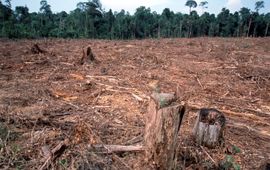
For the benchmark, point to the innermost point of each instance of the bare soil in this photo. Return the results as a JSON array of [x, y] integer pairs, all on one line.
[[49, 97]]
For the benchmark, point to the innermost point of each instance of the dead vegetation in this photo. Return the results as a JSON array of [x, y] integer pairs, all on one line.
[[58, 114]]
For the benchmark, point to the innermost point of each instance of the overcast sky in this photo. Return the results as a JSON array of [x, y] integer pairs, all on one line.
[[214, 6]]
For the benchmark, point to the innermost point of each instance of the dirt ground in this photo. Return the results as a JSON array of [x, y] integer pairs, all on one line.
[[48, 99]]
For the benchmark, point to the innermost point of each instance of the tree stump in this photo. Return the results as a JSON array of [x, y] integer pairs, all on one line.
[[88, 56], [209, 127], [265, 165], [35, 49], [163, 122]]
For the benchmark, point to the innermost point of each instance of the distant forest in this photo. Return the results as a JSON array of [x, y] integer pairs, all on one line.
[[89, 20]]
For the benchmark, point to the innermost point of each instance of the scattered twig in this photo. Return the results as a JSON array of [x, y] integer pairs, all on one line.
[[119, 87], [241, 108], [134, 140], [100, 76], [209, 156], [101, 107], [56, 151], [118, 148], [126, 165], [198, 80], [241, 125], [32, 131], [134, 95], [77, 107], [229, 112], [68, 64], [137, 97], [46, 151]]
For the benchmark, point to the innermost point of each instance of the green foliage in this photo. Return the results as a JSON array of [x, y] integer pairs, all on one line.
[[162, 103], [3, 132], [259, 5], [229, 163], [88, 20], [63, 163], [203, 4], [191, 4], [7, 135], [16, 149], [236, 149], [8, 3]]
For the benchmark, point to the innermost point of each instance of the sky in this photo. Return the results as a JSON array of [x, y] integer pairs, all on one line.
[[214, 6]]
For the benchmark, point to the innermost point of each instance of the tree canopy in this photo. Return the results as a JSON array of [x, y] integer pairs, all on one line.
[[191, 4], [89, 20]]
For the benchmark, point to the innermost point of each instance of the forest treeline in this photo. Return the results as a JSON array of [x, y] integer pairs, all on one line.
[[89, 20]]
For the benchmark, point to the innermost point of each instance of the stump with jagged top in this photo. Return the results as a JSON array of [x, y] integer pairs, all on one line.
[[88, 56], [35, 49], [163, 122]]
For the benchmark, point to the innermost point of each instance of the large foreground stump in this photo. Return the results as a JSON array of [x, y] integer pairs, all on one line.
[[163, 122], [209, 128]]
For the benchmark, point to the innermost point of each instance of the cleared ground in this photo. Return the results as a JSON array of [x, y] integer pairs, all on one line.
[[48, 98]]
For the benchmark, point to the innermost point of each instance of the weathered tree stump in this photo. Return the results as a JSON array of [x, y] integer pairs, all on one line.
[[163, 122], [35, 49], [209, 127], [88, 56]]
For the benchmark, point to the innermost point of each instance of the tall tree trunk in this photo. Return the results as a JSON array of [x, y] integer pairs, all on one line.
[[60, 27], [158, 30], [255, 30], [181, 27], [238, 31], [249, 25], [210, 29], [190, 30], [86, 26], [266, 30]]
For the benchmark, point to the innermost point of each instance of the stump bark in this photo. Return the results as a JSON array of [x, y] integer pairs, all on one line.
[[163, 122], [88, 56], [35, 49], [209, 128]]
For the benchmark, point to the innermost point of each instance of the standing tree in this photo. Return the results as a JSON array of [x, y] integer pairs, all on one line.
[[110, 19], [7, 20], [46, 18], [93, 14], [259, 5], [203, 5], [191, 4], [8, 3], [45, 7], [22, 21], [245, 15], [166, 23], [267, 20], [224, 21]]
